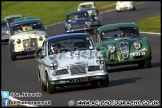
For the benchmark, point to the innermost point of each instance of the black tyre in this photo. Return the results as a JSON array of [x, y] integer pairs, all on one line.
[[141, 64], [92, 32], [145, 64], [43, 86], [94, 83], [13, 55], [50, 88], [106, 67], [105, 82], [134, 8]]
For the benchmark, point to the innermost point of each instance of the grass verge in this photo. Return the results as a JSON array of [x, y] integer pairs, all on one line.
[[150, 24], [48, 11]]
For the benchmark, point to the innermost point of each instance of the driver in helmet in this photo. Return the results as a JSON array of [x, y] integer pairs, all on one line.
[[55, 48], [126, 32]]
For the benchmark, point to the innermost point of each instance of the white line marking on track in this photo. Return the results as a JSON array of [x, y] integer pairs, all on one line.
[[151, 33]]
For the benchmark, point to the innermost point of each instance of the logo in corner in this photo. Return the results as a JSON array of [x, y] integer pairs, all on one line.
[[5, 94], [5, 102]]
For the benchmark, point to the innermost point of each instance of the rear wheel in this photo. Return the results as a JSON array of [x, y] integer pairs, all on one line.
[[50, 88], [105, 82]]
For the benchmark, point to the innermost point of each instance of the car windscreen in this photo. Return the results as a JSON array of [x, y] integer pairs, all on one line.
[[19, 28], [11, 20], [70, 44], [119, 32], [86, 6], [3, 24], [77, 16]]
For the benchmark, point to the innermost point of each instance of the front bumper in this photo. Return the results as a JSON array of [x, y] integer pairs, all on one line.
[[124, 8], [96, 24], [4, 39], [72, 79], [23, 52], [132, 60]]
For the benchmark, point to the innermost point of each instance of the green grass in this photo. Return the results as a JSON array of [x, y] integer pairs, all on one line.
[[55, 11], [151, 24], [49, 12]]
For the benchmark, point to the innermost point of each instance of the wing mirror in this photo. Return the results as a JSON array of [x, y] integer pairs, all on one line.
[[98, 48], [39, 54]]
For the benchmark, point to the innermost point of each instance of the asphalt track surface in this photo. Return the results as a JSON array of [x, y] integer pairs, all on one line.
[[126, 82]]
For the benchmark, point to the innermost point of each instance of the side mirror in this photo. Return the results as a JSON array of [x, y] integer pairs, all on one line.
[[98, 48], [45, 28], [39, 54]]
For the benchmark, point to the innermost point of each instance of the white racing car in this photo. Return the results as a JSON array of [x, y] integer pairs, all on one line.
[[86, 5], [26, 36], [5, 24], [125, 5]]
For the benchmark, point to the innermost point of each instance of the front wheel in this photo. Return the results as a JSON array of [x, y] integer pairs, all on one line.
[[134, 8], [145, 64], [50, 88], [43, 86], [13, 55], [105, 82], [91, 32]]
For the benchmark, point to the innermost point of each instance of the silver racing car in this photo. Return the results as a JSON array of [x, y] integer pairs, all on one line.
[[69, 59]]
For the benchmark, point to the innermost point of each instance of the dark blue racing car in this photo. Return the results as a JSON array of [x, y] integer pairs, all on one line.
[[78, 22]]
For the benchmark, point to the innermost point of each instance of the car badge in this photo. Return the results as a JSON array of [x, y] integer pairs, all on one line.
[[33, 43], [26, 44]]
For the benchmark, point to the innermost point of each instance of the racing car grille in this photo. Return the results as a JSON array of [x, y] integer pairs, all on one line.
[[77, 69], [3, 34], [26, 43], [78, 25], [61, 72], [124, 47], [31, 43], [93, 68]]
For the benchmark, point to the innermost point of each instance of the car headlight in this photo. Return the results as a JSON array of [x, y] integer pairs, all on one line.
[[88, 23], [68, 26], [18, 41], [100, 60], [137, 45], [111, 48], [40, 38], [96, 18], [53, 65]]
